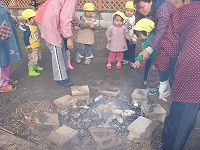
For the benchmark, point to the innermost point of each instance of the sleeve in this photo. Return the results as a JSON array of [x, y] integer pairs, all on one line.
[[75, 21], [168, 45], [163, 18], [67, 15], [27, 34], [83, 23], [109, 30]]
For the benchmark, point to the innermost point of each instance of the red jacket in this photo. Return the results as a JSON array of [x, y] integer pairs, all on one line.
[[181, 41]]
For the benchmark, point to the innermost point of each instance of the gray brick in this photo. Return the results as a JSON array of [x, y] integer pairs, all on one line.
[[80, 92]]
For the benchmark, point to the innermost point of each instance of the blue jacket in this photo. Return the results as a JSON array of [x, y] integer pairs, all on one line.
[[10, 49]]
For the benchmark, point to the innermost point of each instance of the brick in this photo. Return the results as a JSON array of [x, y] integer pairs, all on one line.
[[64, 138], [109, 91], [140, 95], [159, 113], [80, 92], [144, 128], [64, 102], [104, 138]]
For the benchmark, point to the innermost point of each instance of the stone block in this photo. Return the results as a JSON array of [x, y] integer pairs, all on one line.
[[159, 113], [140, 95], [65, 101], [47, 119], [144, 128], [80, 92], [64, 138], [104, 138], [109, 91]]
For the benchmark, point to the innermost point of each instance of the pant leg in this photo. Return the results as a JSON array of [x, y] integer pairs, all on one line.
[[119, 56], [58, 62], [178, 125], [5, 75], [88, 51], [112, 56], [126, 53], [147, 67], [33, 57], [130, 51], [81, 50]]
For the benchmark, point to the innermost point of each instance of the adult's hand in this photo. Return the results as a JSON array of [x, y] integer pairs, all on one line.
[[70, 44]]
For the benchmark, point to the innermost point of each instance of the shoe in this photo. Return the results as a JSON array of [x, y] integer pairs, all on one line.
[[109, 66], [65, 83], [13, 81], [87, 61], [32, 72], [7, 88], [145, 83], [119, 66], [78, 58], [38, 68], [124, 62], [69, 66], [152, 91]]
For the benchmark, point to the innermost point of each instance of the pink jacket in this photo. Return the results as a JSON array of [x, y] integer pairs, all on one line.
[[58, 19]]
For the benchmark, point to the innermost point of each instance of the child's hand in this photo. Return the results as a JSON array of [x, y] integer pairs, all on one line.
[[30, 51], [136, 64], [108, 39], [92, 26]]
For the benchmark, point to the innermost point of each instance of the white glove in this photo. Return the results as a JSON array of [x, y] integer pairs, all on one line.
[[164, 90], [21, 27]]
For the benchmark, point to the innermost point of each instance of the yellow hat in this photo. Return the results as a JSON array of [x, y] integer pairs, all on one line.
[[121, 14], [130, 5], [88, 7], [144, 25], [28, 13]]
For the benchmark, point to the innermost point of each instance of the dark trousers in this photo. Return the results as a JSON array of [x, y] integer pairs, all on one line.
[[178, 125], [130, 53], [147, 67]]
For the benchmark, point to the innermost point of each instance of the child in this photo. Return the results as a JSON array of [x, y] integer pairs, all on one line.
[[116, 34], [143, 30], [129, 55], [86, 35], [32, 42]]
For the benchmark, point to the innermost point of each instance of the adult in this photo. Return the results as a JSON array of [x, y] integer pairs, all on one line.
[[56, 25], [10, 49], [146, 8], [181, 42]]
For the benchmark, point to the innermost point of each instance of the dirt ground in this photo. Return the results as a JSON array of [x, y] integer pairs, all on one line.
[[42, 90]]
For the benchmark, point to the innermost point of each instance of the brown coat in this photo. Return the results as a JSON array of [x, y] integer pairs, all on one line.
[[85, 34]]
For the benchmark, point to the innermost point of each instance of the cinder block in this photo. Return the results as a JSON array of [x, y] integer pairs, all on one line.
[[110, 91], [104, 138], [80, 92], [159, 113], [140, 95], [64, 138], [144, 128], [65, 101]]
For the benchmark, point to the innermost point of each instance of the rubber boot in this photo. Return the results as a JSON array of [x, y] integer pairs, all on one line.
[[69, 66], [32, 72], [38, 68]]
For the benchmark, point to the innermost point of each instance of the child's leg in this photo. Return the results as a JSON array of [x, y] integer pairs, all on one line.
[[68, 62], [126, 53], [147, 67], [111, 58], [119, 58], [132, 53], [80, 53], [88, 54], [33, 60], [4, 75]]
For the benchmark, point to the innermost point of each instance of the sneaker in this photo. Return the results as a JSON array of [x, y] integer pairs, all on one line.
[[152, 91], [145, 83], [78, 58], [65, 83], [87, 61], [124, 62]]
